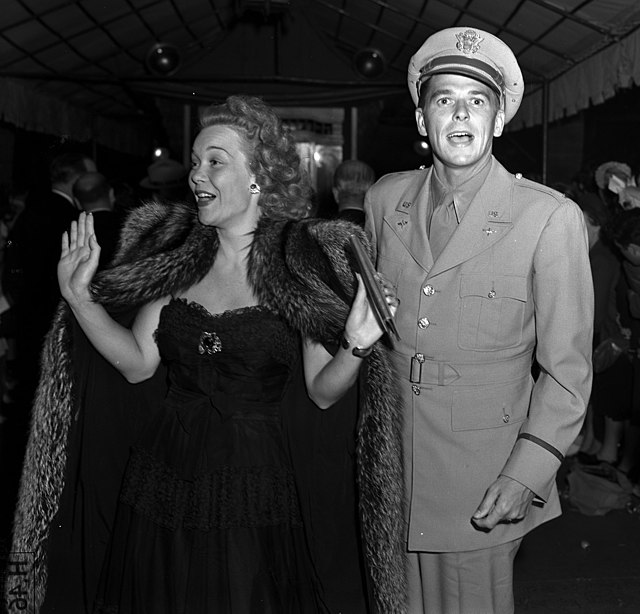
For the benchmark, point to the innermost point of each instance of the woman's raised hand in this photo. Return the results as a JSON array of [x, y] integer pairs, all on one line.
[[78, 260]]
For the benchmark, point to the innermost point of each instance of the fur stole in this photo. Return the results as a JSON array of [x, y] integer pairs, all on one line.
[[299, 269]]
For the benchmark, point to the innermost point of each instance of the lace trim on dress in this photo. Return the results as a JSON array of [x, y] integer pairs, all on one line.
[[230, 497], [246, 326]]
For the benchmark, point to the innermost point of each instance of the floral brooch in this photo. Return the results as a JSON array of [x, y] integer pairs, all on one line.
[[209, 343]]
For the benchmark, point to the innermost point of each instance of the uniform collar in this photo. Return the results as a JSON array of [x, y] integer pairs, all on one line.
[[462, 194]]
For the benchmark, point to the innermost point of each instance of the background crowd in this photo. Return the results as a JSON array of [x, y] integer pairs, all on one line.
[[32, 220]]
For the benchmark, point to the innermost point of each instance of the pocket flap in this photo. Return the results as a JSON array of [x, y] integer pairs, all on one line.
[[494, 287], [498, 406]]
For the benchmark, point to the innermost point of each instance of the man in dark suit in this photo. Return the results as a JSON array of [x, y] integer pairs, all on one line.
[[351, 181], [492, 271], [37, 233], [94, 194]]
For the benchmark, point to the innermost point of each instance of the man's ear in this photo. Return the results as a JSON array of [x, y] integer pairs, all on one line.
[[498, 125], [422, 128], [334, 191]]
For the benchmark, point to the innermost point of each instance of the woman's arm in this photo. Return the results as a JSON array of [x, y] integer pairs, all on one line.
[[132, 351], [329, 377]]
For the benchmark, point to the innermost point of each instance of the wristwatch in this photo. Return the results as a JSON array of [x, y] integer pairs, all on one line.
[[359, 352]]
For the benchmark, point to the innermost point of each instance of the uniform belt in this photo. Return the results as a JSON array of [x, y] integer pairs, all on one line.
[[422, 370]]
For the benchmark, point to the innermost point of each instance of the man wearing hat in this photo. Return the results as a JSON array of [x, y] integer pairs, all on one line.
[[492, 273], [167, 180]]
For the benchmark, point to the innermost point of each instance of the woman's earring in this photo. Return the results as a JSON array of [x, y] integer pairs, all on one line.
[[254, 188]]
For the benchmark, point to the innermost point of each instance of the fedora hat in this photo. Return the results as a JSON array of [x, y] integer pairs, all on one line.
[[164, 173]]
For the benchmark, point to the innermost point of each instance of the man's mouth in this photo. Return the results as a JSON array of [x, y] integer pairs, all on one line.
[[460, 136]]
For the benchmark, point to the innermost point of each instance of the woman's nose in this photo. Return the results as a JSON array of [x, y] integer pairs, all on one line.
[[196, 174]]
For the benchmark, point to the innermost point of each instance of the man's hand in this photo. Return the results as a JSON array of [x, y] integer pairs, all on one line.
[[505, 501]]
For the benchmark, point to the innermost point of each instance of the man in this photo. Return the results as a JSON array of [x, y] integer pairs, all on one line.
[[94, 194], [491, 271], [37, 235], [167, 180], [351, 180]]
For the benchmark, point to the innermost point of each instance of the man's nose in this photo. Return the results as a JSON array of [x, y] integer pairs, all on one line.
[[461, 112]]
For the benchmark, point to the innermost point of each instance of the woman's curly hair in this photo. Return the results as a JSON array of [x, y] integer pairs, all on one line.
[[284, 187]]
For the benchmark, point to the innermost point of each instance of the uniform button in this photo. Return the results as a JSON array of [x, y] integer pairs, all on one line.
[[506, 418], [518, 175], [492, 294], [429, 290], [423, 323]]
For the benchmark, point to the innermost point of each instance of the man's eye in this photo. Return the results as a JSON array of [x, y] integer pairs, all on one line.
[[444, 100], [477, 102]]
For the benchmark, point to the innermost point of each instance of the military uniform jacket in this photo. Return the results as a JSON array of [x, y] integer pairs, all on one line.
[[512, 284]]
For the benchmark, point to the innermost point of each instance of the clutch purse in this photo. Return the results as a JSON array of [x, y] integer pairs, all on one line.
[[375, 294]]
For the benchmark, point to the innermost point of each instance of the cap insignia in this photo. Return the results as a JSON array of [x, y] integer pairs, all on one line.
[[468, 41]]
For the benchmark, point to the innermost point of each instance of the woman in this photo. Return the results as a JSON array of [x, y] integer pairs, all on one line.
[[210, 515]]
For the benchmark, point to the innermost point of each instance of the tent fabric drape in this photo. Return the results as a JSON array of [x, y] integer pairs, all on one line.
[[27, 108], [593, 81]]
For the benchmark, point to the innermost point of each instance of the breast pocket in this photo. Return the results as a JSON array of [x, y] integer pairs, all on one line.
[[491, 312]]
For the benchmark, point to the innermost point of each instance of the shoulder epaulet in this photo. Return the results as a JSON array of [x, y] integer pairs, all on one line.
[[529, 184], [400, 176]]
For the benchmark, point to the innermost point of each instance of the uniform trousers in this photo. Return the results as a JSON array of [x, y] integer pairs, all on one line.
[[474, 582]]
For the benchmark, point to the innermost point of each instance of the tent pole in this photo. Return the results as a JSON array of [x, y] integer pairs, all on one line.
[[545, 130], [354, 133], [186, 135]]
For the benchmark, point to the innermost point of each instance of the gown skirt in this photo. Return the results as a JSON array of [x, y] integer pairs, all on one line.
[[209, 519]]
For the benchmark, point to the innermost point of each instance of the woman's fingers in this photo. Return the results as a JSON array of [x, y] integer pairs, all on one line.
[[82, 234], [65, 244], [73, 235]]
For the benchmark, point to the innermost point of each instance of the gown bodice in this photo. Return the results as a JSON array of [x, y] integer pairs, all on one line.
[[244, 356]]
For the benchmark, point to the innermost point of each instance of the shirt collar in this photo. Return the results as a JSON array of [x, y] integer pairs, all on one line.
[[65, 196], [462, 194]]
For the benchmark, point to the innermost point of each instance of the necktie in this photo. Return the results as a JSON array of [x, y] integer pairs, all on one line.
[[443, 222]]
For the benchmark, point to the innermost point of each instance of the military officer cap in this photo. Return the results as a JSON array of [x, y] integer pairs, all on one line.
[[472, 53]]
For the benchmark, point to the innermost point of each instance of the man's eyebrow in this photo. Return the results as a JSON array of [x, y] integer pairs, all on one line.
[[449, 92]]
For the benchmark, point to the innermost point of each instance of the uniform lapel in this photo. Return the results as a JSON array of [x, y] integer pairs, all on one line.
[[486, 222], [409, 220]]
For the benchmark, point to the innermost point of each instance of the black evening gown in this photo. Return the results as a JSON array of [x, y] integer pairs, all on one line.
[[209, 518]]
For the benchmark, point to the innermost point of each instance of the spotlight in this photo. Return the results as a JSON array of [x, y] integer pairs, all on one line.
[[160, 152], [163, 59], [421, 147], [370, 63]]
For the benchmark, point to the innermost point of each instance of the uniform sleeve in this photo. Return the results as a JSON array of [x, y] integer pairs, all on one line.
[[564, 312], [369, 219]]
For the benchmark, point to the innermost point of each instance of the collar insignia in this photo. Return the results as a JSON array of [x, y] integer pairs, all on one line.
[[404, 206]]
